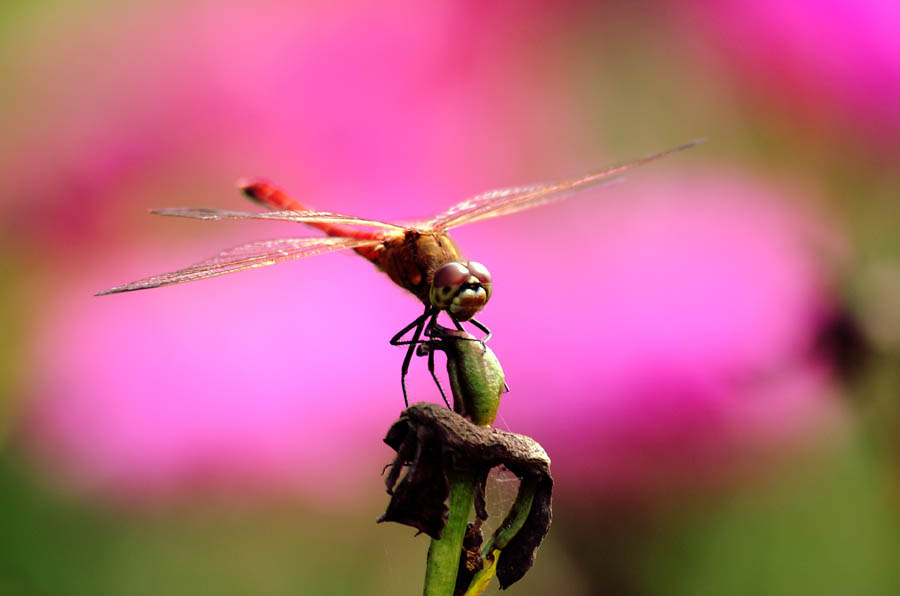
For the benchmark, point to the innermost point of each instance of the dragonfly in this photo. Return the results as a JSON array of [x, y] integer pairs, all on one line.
[[420, 257]]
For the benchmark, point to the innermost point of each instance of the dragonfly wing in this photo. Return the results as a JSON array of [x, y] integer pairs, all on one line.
[[245, 256], [504, 201], [307, 217]]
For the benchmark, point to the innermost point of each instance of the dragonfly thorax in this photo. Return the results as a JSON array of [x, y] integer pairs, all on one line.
[[461, 289]]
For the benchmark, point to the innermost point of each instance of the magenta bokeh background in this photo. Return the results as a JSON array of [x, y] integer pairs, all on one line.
[[662, 336], [653, 333], [830, 66]]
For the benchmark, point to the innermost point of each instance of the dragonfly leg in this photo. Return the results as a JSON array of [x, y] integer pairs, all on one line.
[[417, 324], [429, 329], [479, 326], [487, 336], [406, 360], [483, 329], [429, 347], [486, 331], [432, 349]]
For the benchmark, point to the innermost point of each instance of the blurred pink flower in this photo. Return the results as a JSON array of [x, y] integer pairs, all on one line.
[[670, 337], [833, 63], [277, 381], [111, 106]]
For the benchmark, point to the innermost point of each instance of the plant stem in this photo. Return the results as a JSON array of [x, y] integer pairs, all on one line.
[[515, 519], [444, 554]]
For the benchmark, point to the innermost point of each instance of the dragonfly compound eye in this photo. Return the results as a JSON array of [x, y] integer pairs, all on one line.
[[483, 275], [459, 290]]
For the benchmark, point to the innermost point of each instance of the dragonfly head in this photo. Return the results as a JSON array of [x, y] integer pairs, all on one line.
[[461, 289]]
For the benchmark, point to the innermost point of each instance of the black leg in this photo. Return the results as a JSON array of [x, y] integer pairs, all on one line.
[[480, 326], [483, 329], [429, 328], [431, 352], [406, 360], [418, 324]]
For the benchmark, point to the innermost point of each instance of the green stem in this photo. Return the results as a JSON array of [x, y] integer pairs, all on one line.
[[515, 519], [444, 554]]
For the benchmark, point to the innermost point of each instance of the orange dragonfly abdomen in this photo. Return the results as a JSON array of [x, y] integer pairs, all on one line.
[[268, 195], [409, 259]]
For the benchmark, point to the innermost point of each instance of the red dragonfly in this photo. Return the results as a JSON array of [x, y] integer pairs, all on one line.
[[420, 258]]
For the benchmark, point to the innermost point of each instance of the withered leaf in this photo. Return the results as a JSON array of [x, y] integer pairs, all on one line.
[[430, 441]]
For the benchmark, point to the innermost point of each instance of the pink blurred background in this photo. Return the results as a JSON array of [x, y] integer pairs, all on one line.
[[670, 341]]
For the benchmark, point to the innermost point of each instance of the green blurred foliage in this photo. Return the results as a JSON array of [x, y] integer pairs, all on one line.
[[57, 545], [827, 526], [830, 527], [54, 545], [12, 342]]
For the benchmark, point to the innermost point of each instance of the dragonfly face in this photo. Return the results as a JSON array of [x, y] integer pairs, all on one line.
[[461, 289]]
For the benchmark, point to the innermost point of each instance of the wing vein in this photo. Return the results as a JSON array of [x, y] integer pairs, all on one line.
[[307, 217], [245, 256], [505, 201]]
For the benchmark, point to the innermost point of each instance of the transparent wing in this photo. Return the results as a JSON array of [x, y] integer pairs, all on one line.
[[246, 256], [504, 201], [307, 217]]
